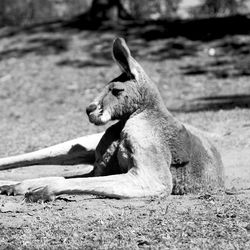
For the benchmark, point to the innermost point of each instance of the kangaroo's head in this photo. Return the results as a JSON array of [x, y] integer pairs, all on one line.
[[128, 94]]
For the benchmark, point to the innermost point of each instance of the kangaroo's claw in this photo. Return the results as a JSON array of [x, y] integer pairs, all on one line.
[[8, 190]]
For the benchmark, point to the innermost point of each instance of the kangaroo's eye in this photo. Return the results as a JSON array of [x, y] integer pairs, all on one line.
[[117, 92]]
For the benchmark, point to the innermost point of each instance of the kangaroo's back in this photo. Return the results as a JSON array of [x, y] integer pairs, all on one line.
[[196, 163], [204, 169]]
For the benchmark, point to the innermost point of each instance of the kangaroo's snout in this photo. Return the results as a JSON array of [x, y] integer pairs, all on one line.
[[92, 107]]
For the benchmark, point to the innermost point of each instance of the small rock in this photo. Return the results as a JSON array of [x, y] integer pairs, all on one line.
[[211, 52]]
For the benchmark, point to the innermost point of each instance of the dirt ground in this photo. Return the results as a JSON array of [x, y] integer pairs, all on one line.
[[46, 81]]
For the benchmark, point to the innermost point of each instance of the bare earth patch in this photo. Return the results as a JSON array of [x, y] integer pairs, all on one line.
[[46, 81]]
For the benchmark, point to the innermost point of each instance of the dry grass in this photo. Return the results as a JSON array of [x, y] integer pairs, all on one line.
[[188, 222]]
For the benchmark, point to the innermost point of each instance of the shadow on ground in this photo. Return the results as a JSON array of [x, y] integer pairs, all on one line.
[[150, 40], [158, 40], [77, 63], [39, 46], [202, 29], [230, 59], [214, 103]]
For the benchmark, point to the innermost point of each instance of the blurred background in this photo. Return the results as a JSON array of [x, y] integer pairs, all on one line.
[[55, 56], [29, 12]]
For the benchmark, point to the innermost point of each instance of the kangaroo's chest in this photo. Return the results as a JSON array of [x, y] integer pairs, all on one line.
[[114, 158], [106, 158], [111, 154]]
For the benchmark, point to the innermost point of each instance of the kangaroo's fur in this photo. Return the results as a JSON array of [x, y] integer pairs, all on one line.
[[147, 152]]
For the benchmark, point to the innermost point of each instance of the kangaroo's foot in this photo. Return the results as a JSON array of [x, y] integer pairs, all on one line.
[[39, 194], [28, 185]]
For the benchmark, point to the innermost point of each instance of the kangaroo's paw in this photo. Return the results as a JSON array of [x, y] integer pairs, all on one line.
[[11, 189], [41, 194]]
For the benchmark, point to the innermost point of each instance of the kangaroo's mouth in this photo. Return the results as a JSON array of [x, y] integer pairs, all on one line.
[[99, 116], [100, 109]]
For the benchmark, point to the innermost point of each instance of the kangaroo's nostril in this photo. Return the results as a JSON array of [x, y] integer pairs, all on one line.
[[92, 107]]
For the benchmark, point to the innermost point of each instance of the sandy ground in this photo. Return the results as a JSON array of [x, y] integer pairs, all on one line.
[[46, 81]]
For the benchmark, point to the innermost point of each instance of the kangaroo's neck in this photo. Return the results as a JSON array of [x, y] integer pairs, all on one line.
[[158, 116], [151, 97], [153, 106]]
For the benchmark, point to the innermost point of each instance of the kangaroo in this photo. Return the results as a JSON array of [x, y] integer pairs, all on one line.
[[147, 152]]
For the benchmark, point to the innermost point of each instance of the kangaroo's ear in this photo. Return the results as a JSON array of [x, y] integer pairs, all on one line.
[[123, 58]]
